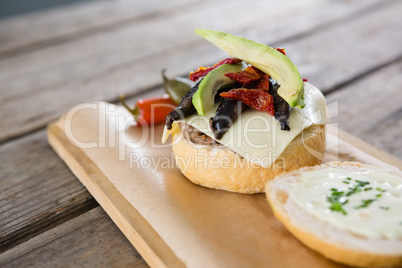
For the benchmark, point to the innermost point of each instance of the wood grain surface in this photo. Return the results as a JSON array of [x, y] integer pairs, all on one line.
[[37, 190], [52, 60], [91, 239], [42, 192], [104, 68], [371, 108], [65, 24]]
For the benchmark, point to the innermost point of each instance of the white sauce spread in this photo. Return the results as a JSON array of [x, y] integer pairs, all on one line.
[[374, 200]]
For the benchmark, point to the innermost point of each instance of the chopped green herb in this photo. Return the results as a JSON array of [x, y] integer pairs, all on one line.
[[380, 190], [335, 200], [365, 203], [335, 192], [362, 183], [338, 198], [337, 207], [354, 190]]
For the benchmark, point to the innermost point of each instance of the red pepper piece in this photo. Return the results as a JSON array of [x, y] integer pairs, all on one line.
[[203, 71], [152, 110], [263, 84], [247, 76], [282, 50], [255, 98], [305, 80]]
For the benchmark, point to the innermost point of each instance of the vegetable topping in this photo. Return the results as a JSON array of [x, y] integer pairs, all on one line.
[[203, 71], [184, 109], [265, 58], [252, 86], [255, 98], [227, 113], [247, 76], [282, 108], [151, 110], [177, 87]]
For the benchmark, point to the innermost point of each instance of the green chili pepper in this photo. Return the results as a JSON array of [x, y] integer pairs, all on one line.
[[177, 87]]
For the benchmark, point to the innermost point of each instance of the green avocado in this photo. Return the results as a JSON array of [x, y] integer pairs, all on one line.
[[203, 98], [265, 58]]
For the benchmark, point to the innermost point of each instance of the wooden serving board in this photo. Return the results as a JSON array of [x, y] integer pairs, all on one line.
[[169, 220]]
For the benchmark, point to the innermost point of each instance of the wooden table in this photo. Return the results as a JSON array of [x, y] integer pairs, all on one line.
[[53, 60]]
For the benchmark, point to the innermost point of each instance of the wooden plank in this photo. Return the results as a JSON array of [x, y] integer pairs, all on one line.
[[37, 190], [133, 41], [346, 52], [105, 65], [371, 108], [90, 240], [49, 27]]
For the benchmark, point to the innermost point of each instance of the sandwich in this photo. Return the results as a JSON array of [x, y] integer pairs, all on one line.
[[247, 119]]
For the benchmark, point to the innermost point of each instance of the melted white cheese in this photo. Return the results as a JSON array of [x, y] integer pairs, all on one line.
[[257, 136], [382, 218]]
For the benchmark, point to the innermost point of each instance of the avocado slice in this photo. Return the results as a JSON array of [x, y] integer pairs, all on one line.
[[203, 99], [265, 58]]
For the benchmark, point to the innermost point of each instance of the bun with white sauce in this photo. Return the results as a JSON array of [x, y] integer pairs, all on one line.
[[349, 212]]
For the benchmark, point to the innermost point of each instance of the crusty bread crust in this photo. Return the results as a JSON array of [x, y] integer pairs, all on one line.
[[221, 168], [320, 236]]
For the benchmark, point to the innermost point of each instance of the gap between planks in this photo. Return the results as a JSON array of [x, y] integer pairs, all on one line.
[[362, 76]]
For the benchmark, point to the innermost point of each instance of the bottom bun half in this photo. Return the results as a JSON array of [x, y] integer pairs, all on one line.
[[332, 242], [221, 168]]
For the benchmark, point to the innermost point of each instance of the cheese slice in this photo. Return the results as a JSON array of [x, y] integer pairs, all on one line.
[[257, 136], [372, 201]]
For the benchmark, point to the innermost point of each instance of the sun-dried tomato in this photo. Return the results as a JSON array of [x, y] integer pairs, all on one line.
[[263, 84], [203, 71], [255, 98], [282, 50], [247, 76]]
